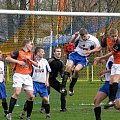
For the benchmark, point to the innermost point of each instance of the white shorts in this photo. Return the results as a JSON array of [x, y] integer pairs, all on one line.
[[115, 69], [23, 81]]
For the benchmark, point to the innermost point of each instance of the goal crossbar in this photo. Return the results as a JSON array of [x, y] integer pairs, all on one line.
[[59, 13]]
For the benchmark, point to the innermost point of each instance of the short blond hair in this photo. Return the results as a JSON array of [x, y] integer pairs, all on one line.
[[113, 31]]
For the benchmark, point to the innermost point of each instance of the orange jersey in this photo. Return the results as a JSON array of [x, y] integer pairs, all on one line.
[[110, 43], [20, 55]]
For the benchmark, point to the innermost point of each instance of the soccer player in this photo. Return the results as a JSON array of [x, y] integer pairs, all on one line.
[[78, 58], [113, 43], [40, 76], [104, 90], [2, 86], [23, 60], [57, 67]]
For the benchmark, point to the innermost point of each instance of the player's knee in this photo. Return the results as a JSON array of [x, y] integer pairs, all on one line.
[[68, 67], [30, 97], [46, 100], [96, 102], [16, 94]]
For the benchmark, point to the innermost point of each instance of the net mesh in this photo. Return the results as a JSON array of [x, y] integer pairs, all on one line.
[[14, 28]]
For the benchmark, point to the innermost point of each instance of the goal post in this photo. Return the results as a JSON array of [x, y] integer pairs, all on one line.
[[49, 30]]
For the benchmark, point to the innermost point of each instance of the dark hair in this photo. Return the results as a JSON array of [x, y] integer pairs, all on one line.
[[56, 48], [83, 31], [37, 49], [26, 41]]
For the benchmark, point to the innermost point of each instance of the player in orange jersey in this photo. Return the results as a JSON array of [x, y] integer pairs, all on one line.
[[23, 60]]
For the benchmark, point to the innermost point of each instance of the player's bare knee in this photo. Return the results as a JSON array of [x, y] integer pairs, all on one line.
[[45, 99], [16, 95], [31, 98]]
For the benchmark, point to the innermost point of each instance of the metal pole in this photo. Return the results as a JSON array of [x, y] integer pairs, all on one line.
[[51, 39]]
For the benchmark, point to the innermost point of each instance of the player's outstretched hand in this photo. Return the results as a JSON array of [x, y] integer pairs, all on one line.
[[96, 60]]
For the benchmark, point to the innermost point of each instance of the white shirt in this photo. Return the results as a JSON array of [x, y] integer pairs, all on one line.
[[108, 65], [39, 73], [1, 71], [84, 46]]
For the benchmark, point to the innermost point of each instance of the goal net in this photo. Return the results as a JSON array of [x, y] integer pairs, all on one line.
[[50, 29]]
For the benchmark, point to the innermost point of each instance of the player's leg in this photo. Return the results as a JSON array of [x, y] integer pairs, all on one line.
[[28, 87], [43, 92], [113, 90], [57, 86], [42, 109], [115, 77], [17, 85], [46, 106], [13, 100], [63, 101], [117, 99], [3, 98], [100, 96], [23, 113], [29, 102], [74, 78], [66, 75]]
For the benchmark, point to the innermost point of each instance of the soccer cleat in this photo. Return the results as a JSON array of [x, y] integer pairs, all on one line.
[[71, 91], [28, 118], [23, 114], [63, 110], [9, 116], [62, 90], [109, 104], [42, 110], [48, 116]]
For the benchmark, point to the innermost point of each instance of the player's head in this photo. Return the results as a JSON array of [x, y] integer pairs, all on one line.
[[57, 52], [39, 52], [27, 45], [113, 33], [84, 34]]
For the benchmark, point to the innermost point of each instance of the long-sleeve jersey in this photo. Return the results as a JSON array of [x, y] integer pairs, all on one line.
[[56, 66]]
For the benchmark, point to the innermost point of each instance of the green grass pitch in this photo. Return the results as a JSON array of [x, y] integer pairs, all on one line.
[[80, 106]]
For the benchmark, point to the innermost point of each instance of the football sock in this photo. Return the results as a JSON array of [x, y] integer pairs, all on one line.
[[5, 106], [29, 108], [73, 82], [47, 108], [97, 111], [12, 104], [113, 90]]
